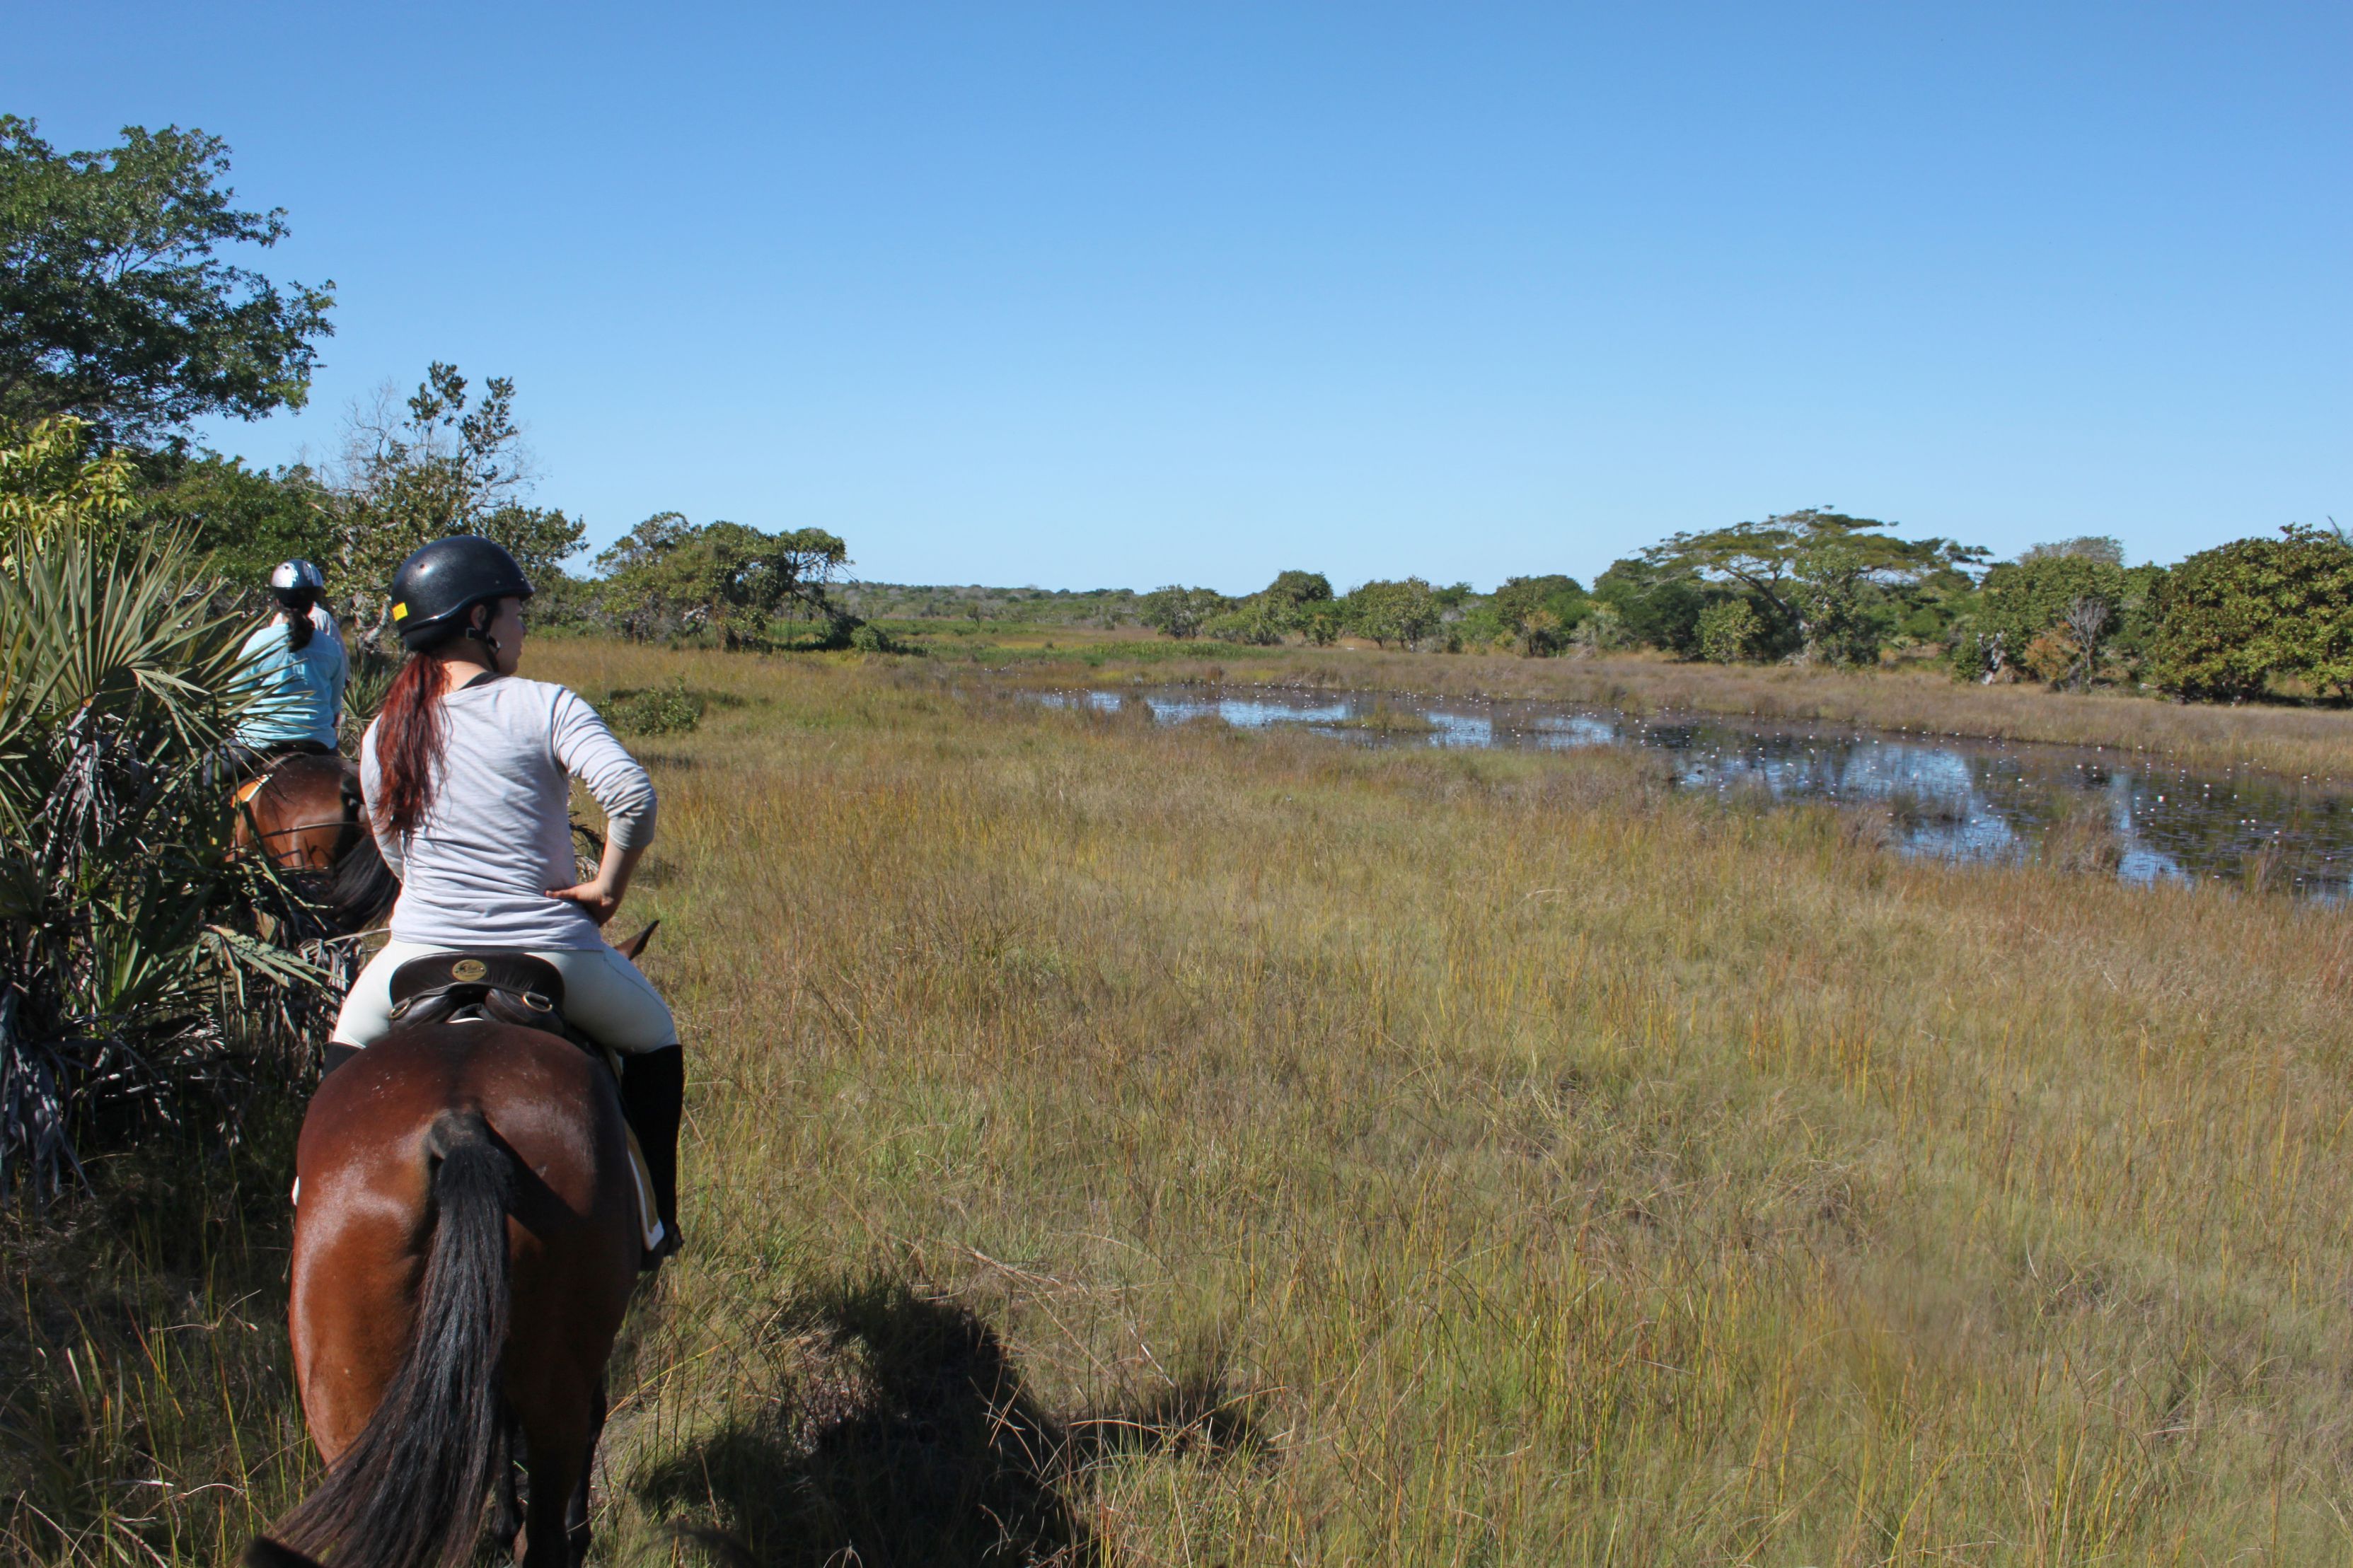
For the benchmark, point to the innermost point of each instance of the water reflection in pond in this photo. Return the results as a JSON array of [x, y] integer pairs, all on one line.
[[1947, 797]]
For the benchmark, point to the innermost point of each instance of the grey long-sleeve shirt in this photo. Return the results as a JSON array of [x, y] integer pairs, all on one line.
[[476, 871]]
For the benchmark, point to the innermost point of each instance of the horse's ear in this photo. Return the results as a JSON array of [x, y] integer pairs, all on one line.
[[635, 944]]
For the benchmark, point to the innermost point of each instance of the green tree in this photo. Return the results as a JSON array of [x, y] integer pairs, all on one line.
[[115, 304], [1832, 584], [1649, 605], [250, 519], [1179, 611], [1538, 614], [2231, 619], [1254, 622], [1266, 618], [2099, 548], [1603, 629], [52, 487], [667, 577], [2079, 595], [1296, 590], [1730, 631], [441, 463], [1394, 613]]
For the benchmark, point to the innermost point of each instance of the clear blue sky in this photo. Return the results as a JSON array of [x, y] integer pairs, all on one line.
[[1111, 294]]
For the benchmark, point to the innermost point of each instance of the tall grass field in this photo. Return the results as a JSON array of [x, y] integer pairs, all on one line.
[[1117, 1144]]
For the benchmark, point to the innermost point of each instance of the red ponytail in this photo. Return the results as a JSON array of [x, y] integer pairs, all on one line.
[[409, 740]]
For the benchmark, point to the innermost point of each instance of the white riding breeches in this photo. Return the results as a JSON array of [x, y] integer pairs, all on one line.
[[605, 998]]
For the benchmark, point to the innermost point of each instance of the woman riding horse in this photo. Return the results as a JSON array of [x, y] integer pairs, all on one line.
[[465, 771], [298, 798], [467, 1232], [295, 664]]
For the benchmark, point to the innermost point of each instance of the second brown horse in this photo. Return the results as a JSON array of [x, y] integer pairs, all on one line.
[[303, 810]]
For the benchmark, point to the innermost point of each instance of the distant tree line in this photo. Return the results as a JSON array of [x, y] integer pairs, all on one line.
[[2256, 617]]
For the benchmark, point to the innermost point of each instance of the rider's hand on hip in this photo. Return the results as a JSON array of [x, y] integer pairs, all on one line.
[[600, 896]]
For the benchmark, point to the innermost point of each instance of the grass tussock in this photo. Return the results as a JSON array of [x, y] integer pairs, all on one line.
[[1111, 1142]]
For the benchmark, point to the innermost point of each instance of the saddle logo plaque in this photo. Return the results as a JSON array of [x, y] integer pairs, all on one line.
[[468, 969]]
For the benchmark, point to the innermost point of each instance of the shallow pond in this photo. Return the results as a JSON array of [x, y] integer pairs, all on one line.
[[1944, 796]]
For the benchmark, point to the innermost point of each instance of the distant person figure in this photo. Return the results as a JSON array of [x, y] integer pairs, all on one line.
[[295, 667], [467, 770]]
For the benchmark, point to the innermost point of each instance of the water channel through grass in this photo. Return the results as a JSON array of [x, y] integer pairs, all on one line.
[[1939, 796]]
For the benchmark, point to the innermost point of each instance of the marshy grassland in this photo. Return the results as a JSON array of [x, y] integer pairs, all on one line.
[[1918, 697], [1125, 1143]]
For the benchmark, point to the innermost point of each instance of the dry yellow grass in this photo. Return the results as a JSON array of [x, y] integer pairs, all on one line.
[[1211, 1148], [1171, 1145]]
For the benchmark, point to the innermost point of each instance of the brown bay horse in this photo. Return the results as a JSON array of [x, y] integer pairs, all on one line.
[[303, 810], [465, 1245]]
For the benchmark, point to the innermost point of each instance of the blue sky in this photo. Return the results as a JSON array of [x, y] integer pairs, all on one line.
[[1112, 294]]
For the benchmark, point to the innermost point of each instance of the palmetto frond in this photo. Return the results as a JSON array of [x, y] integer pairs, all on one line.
[[125, 969]]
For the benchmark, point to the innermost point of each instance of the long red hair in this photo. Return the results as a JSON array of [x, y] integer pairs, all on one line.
[[409, 740]]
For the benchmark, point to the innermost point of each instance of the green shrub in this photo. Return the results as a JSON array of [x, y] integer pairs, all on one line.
[[1731, 632], [132, 981], [670, 710], [2231, 619]]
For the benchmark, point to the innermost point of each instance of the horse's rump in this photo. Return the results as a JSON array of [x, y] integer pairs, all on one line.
[[463, 1252]]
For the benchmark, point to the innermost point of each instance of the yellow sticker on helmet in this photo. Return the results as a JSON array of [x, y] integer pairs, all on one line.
[[400, 612]]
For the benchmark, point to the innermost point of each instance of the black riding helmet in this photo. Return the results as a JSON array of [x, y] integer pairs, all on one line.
[[437, 588]]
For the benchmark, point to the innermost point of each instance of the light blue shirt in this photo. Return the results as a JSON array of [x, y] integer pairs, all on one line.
[[299, 694]]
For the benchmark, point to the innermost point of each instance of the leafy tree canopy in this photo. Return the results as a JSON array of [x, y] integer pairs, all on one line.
[[1730, 631], [115, 304], [1179, 611], [1650, 603], [1296, 588], [2094, 547], [1538, 614], [442, 463], [250, 519], [1399, 612], [2082, 595], [2232, 618], [51, 485], [667, 577], [1810, 570]]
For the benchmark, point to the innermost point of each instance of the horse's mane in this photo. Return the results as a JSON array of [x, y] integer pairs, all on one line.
[[361, 888]]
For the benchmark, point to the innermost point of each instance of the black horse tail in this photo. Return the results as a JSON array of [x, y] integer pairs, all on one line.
[[409, 1491], [361, 887]]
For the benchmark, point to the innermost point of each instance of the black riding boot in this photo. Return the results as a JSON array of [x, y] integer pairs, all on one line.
[[653, 1097]]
